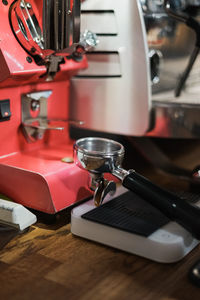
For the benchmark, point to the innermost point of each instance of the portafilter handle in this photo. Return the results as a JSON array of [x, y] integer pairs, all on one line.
[[172, 206]]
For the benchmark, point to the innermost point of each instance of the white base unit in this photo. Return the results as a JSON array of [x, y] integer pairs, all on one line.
[[168, 244]]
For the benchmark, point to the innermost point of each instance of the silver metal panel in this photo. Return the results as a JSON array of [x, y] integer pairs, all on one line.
[[102, 65], [176, 120], [117, 105], [99, 23], [176, 117]]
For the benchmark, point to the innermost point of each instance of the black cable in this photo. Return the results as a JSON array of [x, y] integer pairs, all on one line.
[[193, 24], [186, 73]]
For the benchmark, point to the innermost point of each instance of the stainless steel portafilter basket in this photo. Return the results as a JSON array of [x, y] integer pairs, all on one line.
[[99, 155]]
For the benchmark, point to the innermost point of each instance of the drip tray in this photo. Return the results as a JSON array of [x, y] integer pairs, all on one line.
[[127, 222]]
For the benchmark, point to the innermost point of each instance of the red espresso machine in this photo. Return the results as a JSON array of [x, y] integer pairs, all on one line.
[[39, 52]]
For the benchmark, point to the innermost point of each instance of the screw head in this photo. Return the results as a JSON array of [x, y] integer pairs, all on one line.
[[22, 4], [29, 59], [33, 50], [38, 40], [28, 5], [35, 105], [5, 2]]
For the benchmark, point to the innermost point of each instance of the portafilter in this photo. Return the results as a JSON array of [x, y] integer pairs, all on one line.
[[100, 155]]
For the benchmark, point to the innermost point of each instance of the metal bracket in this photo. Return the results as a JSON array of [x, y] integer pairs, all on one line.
[[34, 115]]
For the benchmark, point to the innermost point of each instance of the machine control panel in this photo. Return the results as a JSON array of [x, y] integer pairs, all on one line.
[[5, 112]]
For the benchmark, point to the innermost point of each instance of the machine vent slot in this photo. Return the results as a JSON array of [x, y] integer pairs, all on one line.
[[97, 76], [96, 11], [103, 64], [102, 52], [106, 34], [101, 22]]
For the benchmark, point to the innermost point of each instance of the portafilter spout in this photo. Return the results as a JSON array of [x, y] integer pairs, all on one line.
[[99, 156]]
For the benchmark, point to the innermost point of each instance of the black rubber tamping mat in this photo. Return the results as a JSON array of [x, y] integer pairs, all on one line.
[[130, 213]]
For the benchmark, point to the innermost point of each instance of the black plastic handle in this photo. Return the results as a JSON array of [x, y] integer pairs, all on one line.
[[171, 205]]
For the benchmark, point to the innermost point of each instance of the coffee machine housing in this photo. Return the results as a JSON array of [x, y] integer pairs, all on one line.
[[134, 70], [36, 153]]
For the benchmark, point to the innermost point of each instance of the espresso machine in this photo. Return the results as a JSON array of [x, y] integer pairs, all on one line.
[[40, 50]]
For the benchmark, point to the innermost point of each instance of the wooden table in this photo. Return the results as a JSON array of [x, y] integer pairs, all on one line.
[[48, 262]]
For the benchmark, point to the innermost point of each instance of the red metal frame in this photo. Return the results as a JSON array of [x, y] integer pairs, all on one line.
[[33, 174]]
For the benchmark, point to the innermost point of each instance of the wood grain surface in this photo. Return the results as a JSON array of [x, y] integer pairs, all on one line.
[[48, 262]]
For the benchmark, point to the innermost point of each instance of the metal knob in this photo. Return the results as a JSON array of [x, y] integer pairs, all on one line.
[[88, 40], [87, 43]]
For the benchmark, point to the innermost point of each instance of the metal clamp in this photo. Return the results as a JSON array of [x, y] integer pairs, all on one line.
[[34, 116]]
